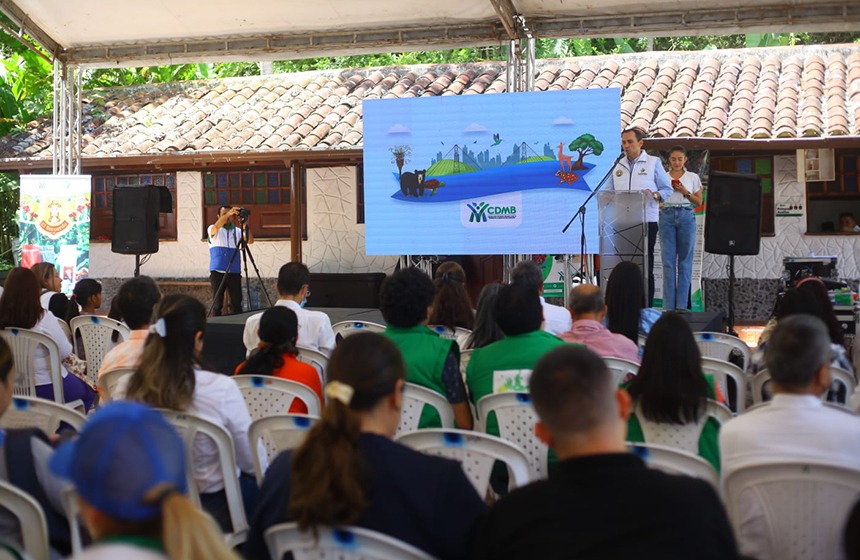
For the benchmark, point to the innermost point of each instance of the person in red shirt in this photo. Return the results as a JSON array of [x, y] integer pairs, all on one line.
[[276, 354]]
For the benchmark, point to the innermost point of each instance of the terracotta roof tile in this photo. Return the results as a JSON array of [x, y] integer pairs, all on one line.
[[787, 92]]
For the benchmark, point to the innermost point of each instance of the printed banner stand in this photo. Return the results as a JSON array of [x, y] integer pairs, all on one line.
[[54, 224]]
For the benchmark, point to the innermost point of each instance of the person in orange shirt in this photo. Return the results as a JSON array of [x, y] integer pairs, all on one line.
[[276, 354]]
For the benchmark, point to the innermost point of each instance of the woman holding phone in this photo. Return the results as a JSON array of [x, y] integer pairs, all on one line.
[[678, 231]]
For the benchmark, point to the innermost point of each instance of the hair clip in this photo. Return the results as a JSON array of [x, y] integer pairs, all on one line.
[[339, 392], [159, 328]]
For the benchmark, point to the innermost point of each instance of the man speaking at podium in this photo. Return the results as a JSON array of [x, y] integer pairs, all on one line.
[[641, 172]]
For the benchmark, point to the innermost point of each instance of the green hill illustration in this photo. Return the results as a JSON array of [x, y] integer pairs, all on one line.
[[449, 167]]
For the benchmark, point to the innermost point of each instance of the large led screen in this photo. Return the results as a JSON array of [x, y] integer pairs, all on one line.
[[486, 174]]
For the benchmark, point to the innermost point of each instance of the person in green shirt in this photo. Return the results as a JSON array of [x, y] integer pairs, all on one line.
[[670, 387], [506, 365], [406, 300]]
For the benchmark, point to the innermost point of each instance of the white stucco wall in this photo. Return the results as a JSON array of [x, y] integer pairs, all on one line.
[[335, 242], [789, 240]]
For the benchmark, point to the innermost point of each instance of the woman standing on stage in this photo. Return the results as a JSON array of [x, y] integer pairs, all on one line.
[[678, 231]]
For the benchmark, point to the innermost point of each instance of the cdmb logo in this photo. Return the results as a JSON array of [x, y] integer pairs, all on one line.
[[500, 211]]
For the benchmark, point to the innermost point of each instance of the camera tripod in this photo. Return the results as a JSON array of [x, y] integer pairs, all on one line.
[[241, 244]]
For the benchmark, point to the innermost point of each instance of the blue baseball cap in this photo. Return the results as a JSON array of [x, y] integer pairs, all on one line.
[[125, 461]]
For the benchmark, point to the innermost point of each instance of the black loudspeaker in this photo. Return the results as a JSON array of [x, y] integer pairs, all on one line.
[[733, 214], [135, 220]]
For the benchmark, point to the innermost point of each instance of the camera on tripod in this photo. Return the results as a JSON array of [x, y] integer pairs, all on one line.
[[244, 214]]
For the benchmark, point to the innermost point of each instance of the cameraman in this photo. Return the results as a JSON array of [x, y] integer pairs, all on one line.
[[224, 235]]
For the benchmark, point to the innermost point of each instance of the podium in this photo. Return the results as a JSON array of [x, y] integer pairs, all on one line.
[[623, 232]]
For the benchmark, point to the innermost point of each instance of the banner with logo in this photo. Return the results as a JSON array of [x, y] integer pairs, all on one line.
[[486, 174], [54, 224]]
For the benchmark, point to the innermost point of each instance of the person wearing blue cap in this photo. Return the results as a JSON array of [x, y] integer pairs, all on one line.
[[128, 467]]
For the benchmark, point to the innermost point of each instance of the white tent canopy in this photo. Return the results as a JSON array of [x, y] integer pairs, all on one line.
[[110, 33]]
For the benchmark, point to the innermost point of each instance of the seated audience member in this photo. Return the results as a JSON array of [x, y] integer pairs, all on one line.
[[847, 223], [625, 302], [24, 456], [293, 292], [349, 472], [486, 330], [602, 501], [52, 298], [431, 361], [556, 319], [588, 309], [452, 306], [276, 354], [86, 299], [170, 376], [128, 467], [506, 365], [670, 387], [136, 301], [795, 426], [20, 307]]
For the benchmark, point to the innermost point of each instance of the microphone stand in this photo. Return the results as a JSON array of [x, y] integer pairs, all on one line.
[[581, 214]]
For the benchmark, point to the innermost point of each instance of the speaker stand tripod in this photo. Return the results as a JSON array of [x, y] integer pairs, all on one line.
[[730, 320]]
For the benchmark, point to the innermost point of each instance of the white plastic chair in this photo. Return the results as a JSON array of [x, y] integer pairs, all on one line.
[[675, 461], [316, 359], [516, 418], [465, 356], [443, 331], [620, 368], [48, 416], [96, 335], [113, 379], [804, 505], [342, 543], [190, 427], [64, 326], [344, 329], [720, 345], [476, 453], [31, 518], [415, 398], [846, 379], [760, 394], [278, 433], [24, 343], [722, 371], [267, 396], [684, 437], [462, 335]]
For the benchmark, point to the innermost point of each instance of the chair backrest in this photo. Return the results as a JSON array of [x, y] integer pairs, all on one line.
[[267, 396], [347, 328], [516, 418], [443, 331], [24, 343], [759, 386], [415, 398], [110, 381], [465, 356], [761, 391], [462, 335], [804, 505], [476, 453], [190, 427], [97, 337], [278, 433], [675, 461], [720, 345], [316, 359], [680, 436], [846, 379], [722, 372], [343, 543], [620, 368], [48, 416], [31, 518], [64, 326]]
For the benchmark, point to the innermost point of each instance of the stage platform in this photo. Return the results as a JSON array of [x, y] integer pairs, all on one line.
[[223, 349]]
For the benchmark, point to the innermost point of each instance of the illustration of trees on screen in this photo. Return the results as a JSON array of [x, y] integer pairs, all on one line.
[[400, 155], [585, 145]]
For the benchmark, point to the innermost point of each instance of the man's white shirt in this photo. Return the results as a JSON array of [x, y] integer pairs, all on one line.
[[314, 328], [556, 320]]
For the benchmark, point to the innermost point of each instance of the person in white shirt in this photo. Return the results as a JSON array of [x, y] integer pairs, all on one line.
[[556, 319], [315, 330], [641, 172], [795, 426]]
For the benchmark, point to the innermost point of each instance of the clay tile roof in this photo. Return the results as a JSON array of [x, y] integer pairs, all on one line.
[[785, 92]]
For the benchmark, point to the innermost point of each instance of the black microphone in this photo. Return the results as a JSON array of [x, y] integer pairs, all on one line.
[[623, 153]]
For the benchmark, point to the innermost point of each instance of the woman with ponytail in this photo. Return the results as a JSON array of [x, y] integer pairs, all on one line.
[[128, 467], [86, 299], [170, 376], [276, 354], [452, 306], [349, 472]]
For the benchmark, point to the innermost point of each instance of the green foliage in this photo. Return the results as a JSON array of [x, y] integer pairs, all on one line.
[[8, 222], [585, 144], [449, 167]]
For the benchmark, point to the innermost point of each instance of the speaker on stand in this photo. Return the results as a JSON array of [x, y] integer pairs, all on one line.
[[733, 222], [135, 220]]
